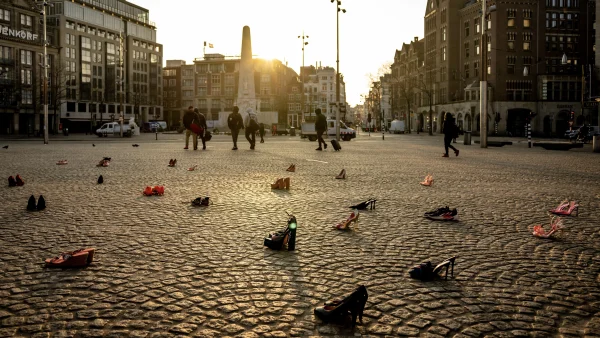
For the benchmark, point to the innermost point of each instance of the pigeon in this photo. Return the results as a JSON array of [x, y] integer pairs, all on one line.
[[100, 180], [5, 147], [93, 145], [136, 145]]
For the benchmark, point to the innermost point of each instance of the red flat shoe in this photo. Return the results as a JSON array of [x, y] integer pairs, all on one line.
[[76, 259], [158, 190], [148, 191]]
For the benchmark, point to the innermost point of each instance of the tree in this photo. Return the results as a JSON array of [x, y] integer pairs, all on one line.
[[58, 79], [375, 93], [425, 83]]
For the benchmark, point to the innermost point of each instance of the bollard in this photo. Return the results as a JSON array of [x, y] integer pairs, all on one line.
[[529, 134], [467, 140], [156, 135], [596, 143]]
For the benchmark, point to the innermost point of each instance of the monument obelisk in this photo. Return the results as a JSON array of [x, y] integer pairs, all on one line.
[[246, 94]]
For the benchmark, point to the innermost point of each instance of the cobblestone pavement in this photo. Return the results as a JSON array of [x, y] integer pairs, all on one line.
[[165, 269]]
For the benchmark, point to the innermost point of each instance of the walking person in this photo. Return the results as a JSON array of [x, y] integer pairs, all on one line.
[[203, 127], [320, 128], [235, 123], [261, 132], [190, 119], [251, 125], [450, 131]]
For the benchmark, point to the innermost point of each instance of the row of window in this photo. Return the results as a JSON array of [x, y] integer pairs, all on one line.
[[563, 3]]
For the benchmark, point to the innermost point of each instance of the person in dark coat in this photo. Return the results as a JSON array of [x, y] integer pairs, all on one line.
[[203, 127], [450, 131], [235, 123], [261, 132], [320, 127], [190, 118]]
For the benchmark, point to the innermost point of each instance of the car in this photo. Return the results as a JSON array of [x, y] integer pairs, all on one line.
[[571, 134]]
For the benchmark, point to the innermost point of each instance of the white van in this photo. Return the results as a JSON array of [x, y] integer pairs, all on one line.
[[397, 127]]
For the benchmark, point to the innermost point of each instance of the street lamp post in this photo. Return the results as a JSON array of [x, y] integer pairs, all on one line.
[[302, 71], [121, 81], [337, 75], [483, 85], [45, 77]]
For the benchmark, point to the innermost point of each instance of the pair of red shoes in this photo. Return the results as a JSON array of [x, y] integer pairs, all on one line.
[[74, 259], [158, 190], [14, 182]]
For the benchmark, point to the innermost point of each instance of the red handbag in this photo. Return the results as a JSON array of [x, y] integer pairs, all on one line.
[[196, 129]]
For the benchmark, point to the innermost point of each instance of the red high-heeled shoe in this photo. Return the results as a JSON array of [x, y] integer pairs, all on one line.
[[555, 226], [353, 218], [566, 208]]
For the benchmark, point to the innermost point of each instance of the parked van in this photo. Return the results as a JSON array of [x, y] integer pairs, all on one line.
[[397, 127]]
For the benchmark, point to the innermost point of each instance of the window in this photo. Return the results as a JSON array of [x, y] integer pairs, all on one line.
[[489, 66], [25, 20], [202, 103], [510, 64], [477, 26], [26, 76], [172, 82], [27, 96], [188, 93], [70, 25], [81, 28], [85, 56], [4, 14], [511, 14], [466, 50], [476, 68], [466, 70], [6, 53], [188, 72], [202, 80], [527, 14], [265, 78], [443, 53], [188, 83], [228, 90], [26, 57], [202, 91], [466, 28], [216, 79], [511, 37], [527, 41], [265, 90], [291, 107], [110, 48], [443, 33], [229, 79], [477, 46]]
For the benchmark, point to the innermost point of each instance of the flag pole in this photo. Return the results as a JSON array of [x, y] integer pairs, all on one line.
[[204, 49]]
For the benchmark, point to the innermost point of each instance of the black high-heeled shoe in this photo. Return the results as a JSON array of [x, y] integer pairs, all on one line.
[[364, 205], [338, 309], [287, 236], [426, 271]]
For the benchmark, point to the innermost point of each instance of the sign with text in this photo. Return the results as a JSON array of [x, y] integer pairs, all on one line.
[[25, 35]]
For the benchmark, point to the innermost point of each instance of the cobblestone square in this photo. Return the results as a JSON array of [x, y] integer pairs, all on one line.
[[164, 268]]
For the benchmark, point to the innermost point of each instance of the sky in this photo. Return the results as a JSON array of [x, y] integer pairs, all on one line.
[[370, 32]]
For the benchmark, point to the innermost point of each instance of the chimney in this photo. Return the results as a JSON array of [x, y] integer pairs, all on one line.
[[416, 39]]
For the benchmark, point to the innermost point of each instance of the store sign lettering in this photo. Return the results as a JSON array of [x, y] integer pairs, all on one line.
[[25, 35]]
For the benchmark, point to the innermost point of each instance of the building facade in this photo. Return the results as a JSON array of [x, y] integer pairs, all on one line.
[[110, 62], [211, 85], [320, 91], [21, 77], [525, 44]]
